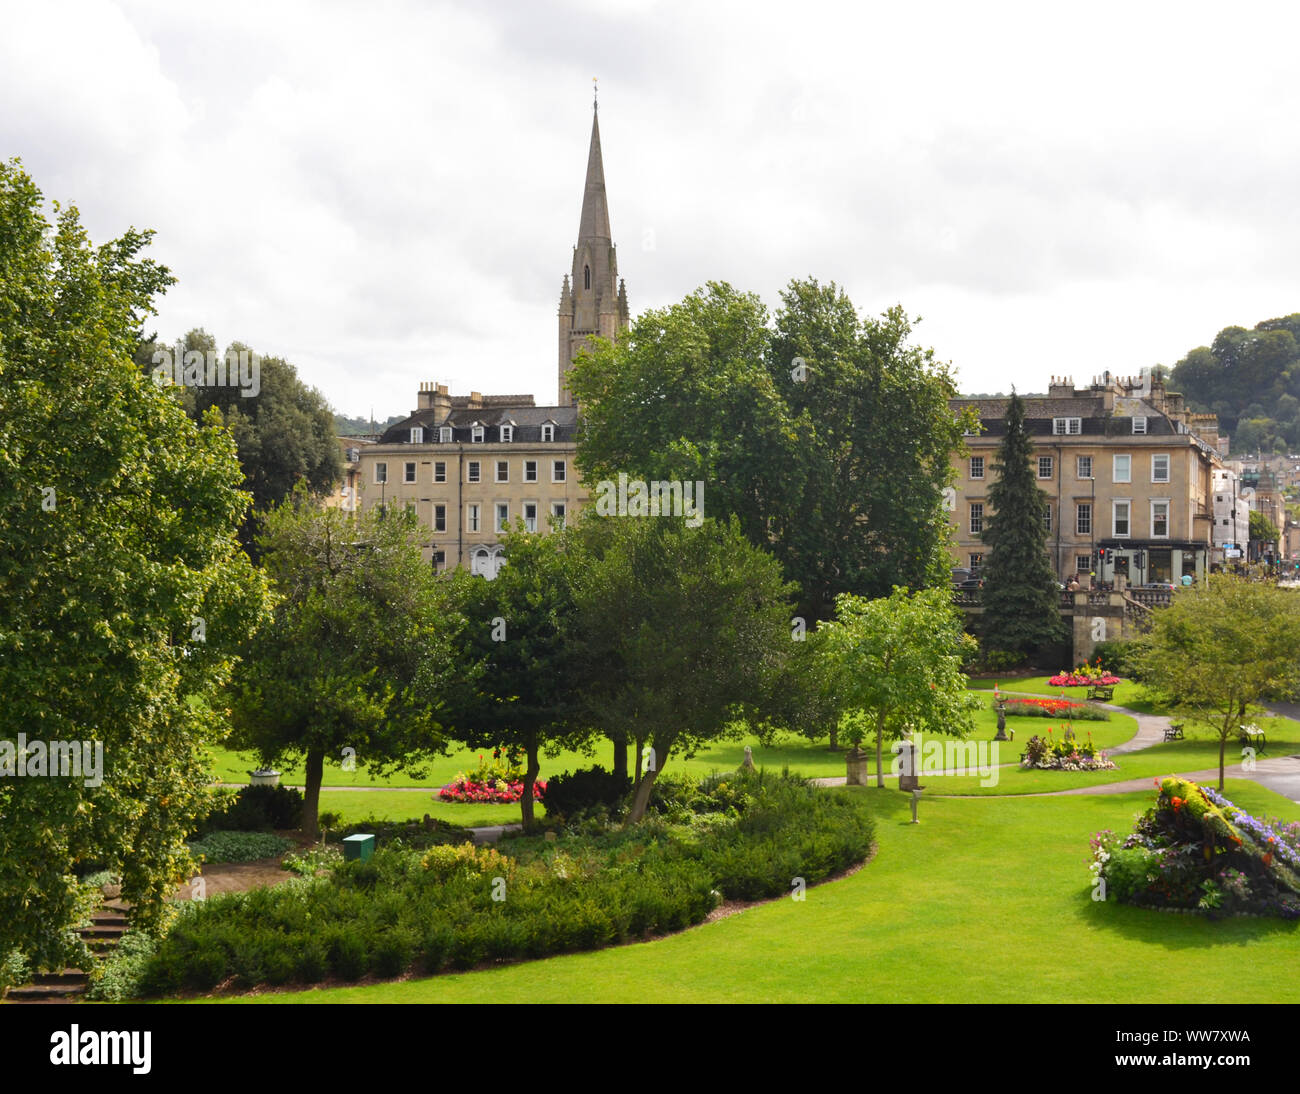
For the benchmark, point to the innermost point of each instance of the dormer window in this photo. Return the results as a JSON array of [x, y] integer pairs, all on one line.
[[548, 432], [507, 434], [1139, 425], [354, 454], [417, 434], [1064, 427], [444, 434], [476, 434]]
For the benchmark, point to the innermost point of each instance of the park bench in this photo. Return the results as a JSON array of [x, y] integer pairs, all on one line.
[[1103, 692], [1254, 738], [1174, 732]]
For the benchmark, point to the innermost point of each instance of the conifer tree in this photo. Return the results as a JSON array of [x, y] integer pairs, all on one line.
[[1020, 595]]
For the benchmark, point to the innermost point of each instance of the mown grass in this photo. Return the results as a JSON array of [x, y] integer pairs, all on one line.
[[987, 898]]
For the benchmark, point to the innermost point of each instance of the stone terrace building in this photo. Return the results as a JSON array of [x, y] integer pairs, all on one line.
[[1128, 474], [471, 465]]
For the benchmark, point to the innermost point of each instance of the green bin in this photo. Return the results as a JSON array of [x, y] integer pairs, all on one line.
[[359, 847]]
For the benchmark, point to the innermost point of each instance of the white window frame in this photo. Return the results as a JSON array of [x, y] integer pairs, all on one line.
[[1128, 518], [409, 471], [530, 522], [1168, 464], [439, 470], [437, 515], [417, 434], [530, 470], [1047, 518], [973, 516], [560, 509], [476, 434], [1079, 509], [1139, 423], [501, 522], [548, 431], [444, 434], [1050, 464], [507, 434], [1087, 560], [473, 471], [562, 466], [1066, 427], [1169, 517], [976, 559], [381, 472], [501, 470], [1128, 468], [1078, 467], [473, 516], [972, 471]]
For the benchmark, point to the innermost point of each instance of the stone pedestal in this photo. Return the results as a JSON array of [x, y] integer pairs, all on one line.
[[856, 762]]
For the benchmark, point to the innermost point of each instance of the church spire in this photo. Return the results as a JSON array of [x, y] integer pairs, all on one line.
[[594, 225], [593, 301]]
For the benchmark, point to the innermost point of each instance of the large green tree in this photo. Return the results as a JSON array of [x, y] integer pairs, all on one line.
[[521, 629], [1219, 649], [1020, 597], [826, 435], [359, 655], [284, 429], [899, 664], [696, 621], [123, 591]]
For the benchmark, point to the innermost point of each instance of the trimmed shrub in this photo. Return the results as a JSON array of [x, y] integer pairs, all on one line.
[[255, 809], [240, 846], [571, 793]]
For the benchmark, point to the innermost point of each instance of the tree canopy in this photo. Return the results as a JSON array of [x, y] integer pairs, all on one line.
[[123, 590], [826, 435], [1250, 378]]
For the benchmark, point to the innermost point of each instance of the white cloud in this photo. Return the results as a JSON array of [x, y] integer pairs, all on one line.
[[389, 193]]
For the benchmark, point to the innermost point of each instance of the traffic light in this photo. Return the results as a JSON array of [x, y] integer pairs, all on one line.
[[1101, 554]]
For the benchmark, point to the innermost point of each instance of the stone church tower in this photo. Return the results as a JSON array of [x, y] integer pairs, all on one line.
[[593, 300]]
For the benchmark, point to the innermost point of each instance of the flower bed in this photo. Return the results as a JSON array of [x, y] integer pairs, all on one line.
[[1067, 754], [496, 782], [1080, 678], [1195, 850], [498, 791], [1054, 708]]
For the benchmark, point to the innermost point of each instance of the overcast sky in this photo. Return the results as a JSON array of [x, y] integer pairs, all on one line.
[[386, 193]]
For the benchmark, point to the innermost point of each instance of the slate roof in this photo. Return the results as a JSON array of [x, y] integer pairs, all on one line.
[[528, 422]]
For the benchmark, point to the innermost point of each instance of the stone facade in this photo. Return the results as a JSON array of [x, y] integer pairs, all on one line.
[[1127, 472]]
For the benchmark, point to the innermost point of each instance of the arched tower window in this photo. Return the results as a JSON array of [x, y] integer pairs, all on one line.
[[586, 277]]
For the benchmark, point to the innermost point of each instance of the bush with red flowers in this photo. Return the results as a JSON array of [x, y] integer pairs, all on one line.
[[496, 782]]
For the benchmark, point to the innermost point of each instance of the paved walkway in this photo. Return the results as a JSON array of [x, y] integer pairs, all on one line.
[[1280, 774]]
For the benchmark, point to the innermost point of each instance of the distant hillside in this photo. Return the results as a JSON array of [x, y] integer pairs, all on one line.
[[1251, 380], [360, 427]]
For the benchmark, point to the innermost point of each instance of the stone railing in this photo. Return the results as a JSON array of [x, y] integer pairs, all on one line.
[[1151, 598]]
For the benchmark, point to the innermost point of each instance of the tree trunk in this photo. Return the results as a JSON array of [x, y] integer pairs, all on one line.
[[620, 753], [640, 758], [834, 746], [642, 797], [880, 751], [311, 794], [530, 778]]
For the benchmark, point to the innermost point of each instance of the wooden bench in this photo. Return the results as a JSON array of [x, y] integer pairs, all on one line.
[[1174, 732], [1101, 691]]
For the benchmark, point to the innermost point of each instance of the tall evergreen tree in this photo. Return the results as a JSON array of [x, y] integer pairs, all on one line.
[[1021, 600]]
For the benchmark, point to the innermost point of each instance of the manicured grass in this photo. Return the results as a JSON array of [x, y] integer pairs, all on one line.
[[812, 759], [399, 805], [1126, 694], [986, 899]]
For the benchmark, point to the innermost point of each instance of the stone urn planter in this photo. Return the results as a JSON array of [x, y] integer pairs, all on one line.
[[855, 760], [265, 777]]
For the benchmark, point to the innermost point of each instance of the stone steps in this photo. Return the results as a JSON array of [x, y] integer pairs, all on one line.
[[102, 935]]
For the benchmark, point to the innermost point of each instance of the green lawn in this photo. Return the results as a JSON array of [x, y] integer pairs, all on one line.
[[396, 805], [987, 898]]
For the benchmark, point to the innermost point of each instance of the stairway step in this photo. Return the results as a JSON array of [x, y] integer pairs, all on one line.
[[68, 977], [44, 993], [110, 919]]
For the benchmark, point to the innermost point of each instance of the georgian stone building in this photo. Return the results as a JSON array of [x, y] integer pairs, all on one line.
[[471, 465], [1128, 471]]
